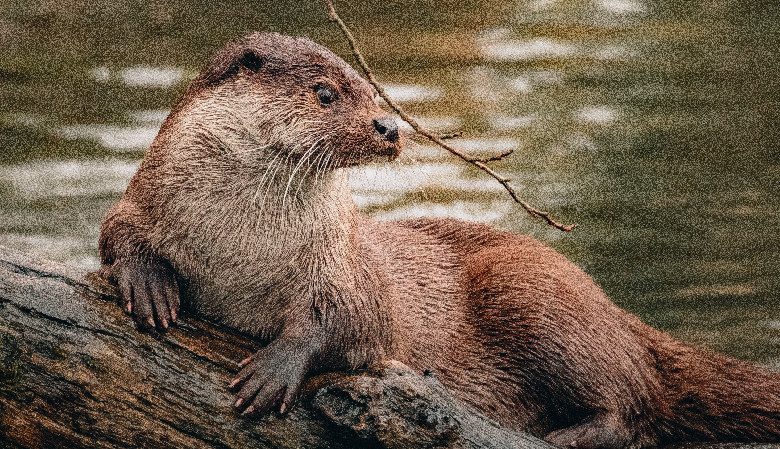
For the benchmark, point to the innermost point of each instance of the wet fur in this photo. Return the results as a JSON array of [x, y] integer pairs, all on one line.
[[241, 196]]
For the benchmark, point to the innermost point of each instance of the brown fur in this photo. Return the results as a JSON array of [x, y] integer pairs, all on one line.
[[241, 204]]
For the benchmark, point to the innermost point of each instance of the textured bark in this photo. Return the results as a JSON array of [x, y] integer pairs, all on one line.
[[75, 373]]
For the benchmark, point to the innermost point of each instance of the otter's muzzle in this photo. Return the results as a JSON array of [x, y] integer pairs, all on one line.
[[387, 128]]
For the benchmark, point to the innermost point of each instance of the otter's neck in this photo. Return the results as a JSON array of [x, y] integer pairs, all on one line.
[[314, 215], [246, 200]]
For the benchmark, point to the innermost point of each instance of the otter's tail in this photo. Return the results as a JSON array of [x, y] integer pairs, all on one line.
[[710, 397]]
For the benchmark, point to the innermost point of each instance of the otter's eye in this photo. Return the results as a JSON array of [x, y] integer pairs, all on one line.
[[325, 94]]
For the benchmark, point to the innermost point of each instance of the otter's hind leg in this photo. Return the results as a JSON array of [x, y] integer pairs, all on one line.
[[607, 431], [568, 349]]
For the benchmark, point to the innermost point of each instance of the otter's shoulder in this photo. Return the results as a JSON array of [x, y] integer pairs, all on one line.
[[484, 244], [491, 253], [465, 233]]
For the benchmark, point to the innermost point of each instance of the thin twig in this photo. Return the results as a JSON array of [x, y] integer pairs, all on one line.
[[454, 135], [438, 140], [419, 138], [497, 157]]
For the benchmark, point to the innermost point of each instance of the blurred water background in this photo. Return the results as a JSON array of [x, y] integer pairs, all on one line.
[[651, 124]]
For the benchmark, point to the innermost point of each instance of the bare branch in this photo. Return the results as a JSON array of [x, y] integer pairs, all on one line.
[[419, 138], [451, 135], [438, 140], [497, 157]]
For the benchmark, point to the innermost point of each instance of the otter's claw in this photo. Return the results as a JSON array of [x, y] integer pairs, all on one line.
[[149, 291], [271, 378]]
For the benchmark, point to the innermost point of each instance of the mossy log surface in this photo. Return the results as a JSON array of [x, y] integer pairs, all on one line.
[[75, 373]]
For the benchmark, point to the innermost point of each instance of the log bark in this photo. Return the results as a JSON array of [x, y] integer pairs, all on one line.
[[75, 373]]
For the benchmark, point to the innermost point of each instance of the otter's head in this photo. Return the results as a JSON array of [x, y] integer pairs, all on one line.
[[292, 96]]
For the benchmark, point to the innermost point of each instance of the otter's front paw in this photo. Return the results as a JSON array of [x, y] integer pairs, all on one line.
[[149, 290], [271, 377]]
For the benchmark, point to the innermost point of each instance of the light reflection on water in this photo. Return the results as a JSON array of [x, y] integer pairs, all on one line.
[[651, 124], [621, 6], [54, 178], [141, 76], [411, 93], [537, 48], [119, 138]]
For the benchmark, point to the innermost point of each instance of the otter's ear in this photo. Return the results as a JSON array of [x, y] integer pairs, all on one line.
[[251, 61], [226, 65], [248, 59]]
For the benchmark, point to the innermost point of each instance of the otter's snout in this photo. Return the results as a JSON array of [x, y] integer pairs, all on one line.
[[387, 127]]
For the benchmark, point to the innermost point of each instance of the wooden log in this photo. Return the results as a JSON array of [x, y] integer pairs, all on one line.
[[75, 373]]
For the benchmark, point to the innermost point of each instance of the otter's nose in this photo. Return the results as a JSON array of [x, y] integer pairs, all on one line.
[[387, 127]]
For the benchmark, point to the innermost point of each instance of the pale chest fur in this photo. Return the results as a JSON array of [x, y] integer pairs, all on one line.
[[249, 264]]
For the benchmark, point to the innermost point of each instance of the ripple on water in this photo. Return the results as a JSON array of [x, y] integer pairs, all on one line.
[[403, 179], [114, 137], [400, 178], [412, 93], [491, 85], [541, 4], [422, 153], [369, 199], [529, 49], [733, 290], [149, 116], [465, 210], [529, 81], [52, 178], [608, 52], [504, 122], [499, 45], [486, 146], [141, 76], [598, 114], [433, 123], [621, 6], [63, 248]]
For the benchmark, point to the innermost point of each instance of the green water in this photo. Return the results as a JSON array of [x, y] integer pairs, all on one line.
[[653, 125]]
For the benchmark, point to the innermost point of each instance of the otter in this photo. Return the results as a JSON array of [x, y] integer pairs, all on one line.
[[242, 208]]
